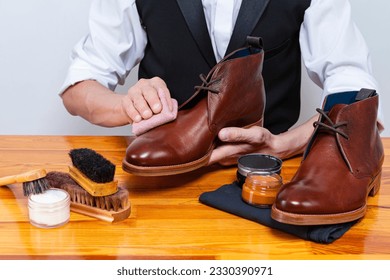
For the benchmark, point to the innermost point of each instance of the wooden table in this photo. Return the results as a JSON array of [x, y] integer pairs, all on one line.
[[167, 221]]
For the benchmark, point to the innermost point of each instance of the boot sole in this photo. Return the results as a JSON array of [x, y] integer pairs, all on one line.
[[325, 219], [174, 169]]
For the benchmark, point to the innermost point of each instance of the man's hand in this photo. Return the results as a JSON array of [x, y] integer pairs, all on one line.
[[101, 106], [256, 139], [240, 141], [142, 100]]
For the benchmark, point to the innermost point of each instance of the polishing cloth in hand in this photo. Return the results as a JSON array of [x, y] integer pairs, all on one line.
[[163, 117]]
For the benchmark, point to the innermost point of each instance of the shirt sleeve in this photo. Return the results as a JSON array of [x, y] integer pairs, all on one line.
[[114, 45], [333, 49]]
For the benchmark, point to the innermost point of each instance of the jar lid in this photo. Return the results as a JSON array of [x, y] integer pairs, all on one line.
[[259, 162], [49, 199]]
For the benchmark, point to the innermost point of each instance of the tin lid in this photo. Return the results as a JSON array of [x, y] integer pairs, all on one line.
[[259, 162]]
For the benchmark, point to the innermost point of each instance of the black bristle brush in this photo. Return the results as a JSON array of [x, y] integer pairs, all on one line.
[[93, 172], [34, 182], [112, 208]]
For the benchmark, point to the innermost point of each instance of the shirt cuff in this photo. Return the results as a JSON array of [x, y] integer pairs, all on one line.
[[76, 75]]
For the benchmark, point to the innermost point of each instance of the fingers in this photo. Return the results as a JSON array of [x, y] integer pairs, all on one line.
[[129, 110], [254, 134], [226, 154], [239, 141], [143, 100], [165, 98], [144, 95]]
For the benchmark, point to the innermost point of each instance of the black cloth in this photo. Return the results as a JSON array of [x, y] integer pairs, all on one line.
[[228, 198]]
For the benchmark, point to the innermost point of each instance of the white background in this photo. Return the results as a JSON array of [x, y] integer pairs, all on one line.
[[36, 37], [280, 269]]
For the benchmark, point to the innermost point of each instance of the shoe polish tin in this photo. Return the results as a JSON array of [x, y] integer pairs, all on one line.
[[260, 163], [49, 209]]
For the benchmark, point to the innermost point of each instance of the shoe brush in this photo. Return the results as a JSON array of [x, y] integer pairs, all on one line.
[[93, 172], [111, 208], [34, 182]]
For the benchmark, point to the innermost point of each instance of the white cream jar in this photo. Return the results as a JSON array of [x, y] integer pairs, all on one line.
[[49, 209]]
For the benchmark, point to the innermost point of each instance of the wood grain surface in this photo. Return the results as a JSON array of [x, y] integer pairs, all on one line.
[[167, 220]]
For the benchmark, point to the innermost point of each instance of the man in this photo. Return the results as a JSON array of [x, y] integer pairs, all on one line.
[[174, 41]]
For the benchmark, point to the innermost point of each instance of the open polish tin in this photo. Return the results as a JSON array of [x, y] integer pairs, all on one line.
[[259, 177]]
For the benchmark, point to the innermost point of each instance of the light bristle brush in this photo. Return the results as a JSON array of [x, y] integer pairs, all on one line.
[[111, 208], [34, 182]]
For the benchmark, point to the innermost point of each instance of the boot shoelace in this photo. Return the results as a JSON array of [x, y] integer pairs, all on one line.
[[206, 85], [333, 127]]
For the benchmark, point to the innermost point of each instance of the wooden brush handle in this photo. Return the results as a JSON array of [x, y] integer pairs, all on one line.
[[23, 177], [93, 188], [104, 215]]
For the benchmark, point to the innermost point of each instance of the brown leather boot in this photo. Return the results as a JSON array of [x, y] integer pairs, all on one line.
[[341, 166], [232, 94]]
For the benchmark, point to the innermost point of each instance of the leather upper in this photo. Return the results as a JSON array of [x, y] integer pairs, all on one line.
[[335, 175]]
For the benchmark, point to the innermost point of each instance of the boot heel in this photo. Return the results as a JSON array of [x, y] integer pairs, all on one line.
[[376, 184]]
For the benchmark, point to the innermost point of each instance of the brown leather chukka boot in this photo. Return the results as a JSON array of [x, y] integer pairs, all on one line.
[[341, 166], [232, 94]]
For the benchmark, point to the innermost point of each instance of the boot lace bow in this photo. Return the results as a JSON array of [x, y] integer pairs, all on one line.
[[331, 126], [334, 127], [207, 85]]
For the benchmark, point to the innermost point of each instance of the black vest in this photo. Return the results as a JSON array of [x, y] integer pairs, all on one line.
[[179, 49]]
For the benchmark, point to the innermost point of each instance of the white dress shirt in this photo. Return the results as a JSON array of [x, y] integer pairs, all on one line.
[[334, 52]]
